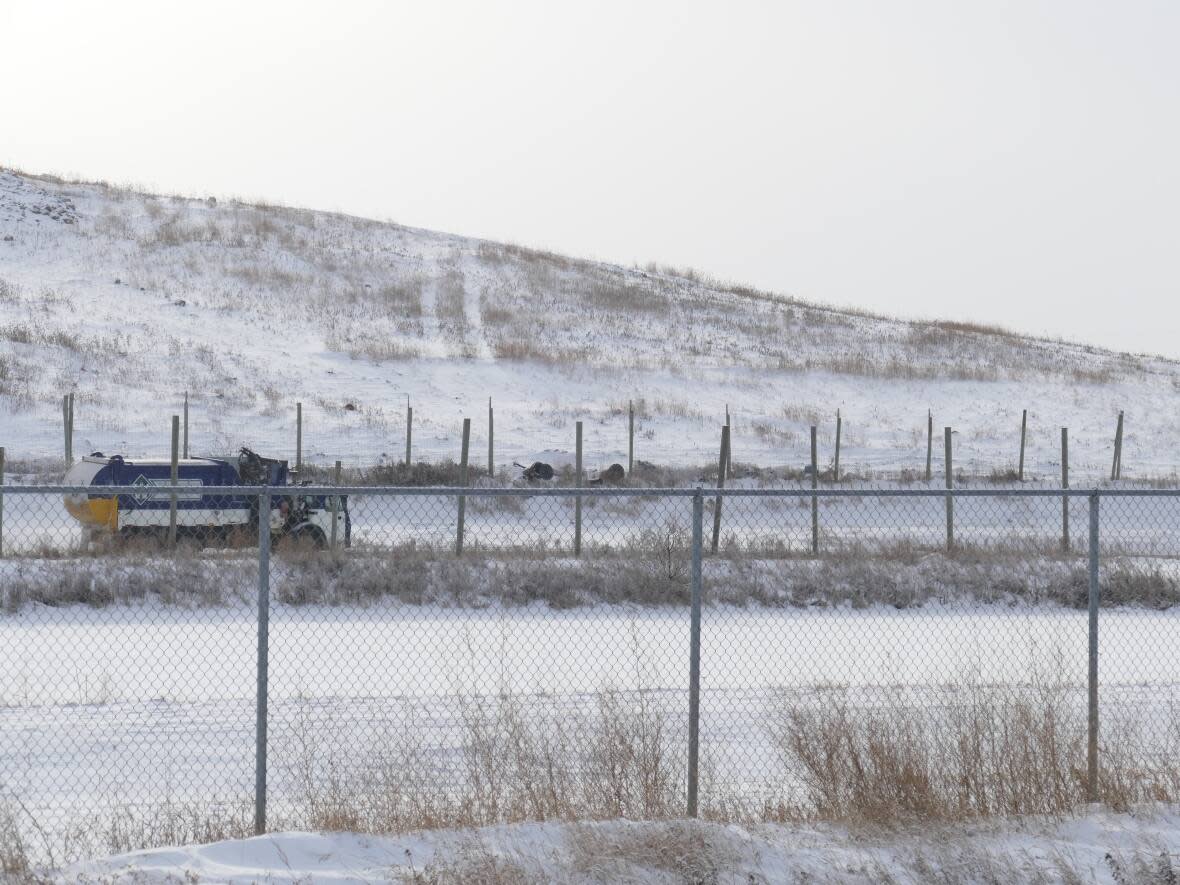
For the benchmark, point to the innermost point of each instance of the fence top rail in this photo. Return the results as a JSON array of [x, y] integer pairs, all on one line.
[[584, 491]]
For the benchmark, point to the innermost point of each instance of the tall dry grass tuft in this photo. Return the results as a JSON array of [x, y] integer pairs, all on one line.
[[974, 751], [515, 758]]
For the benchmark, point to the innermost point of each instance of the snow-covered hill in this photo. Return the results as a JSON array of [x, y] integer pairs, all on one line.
[[131, 299]]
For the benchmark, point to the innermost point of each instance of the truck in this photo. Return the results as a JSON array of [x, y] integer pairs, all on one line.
[[208, 520]]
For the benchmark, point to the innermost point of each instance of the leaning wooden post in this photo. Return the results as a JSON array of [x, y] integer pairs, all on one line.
[[720, 485], [491, 440], [335, 505], [1116, 467], [950, 484], [814, 498], [929, 441], [630, 437], [1, 501], [463, 480], [175, 477], [1065, 485], [729, 448], [409, 430], [836, 466], [68, 436], [1023, 429], [184, 448], [298, 436], [578, 484], [70, 412]]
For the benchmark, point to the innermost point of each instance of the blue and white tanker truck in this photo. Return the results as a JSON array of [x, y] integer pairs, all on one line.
[[210, 520]]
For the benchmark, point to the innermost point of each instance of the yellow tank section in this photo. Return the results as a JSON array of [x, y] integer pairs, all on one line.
[[95, 512], [91, 512]]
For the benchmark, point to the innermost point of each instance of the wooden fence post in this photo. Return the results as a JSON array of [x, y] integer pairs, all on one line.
[[836, 466], [1, 501], [814, 498], [630, 437], [720, 484], [335, 506], [298, 436], [464, 479], [67, 435], [728, 448], [1023, 428], [70, 455], [409, 431], [175, 477], [950, 484], [578, 484], [1116, 468], [1065, 485], [929, 441], [184, 448], [491, 440]]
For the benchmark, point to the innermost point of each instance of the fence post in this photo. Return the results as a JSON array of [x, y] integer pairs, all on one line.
[[578, 484], [298, 436], [728, 448], [185, 446], [67, 431], [950, 484], [70, 444], [464, 478], [836, 466], [175, 478], [409, 430], [1, 501], [929, 441], [1116, 467], [1023, 428], [263, 661], [1065, 485], [694, 652], [1092, 677], [335, 505], [814, 499], [630, 437], [720, 485], [491, 440]]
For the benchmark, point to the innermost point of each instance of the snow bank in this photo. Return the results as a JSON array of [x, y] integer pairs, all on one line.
[[1100, 847]]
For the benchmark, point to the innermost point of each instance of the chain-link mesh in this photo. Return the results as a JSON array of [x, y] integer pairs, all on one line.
[[446, 657]]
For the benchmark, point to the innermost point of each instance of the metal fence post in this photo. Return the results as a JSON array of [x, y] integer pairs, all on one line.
[[578, 484], [464, 479], [694, 653], [1092, 678], [263, 661]]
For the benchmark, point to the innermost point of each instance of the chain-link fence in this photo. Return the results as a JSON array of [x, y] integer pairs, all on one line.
[[183, 664]]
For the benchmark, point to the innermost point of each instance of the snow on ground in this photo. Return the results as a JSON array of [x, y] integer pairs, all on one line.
[[1099, 847], [131, 299]]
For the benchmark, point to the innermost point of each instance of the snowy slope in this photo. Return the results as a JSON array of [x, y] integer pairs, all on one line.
[[1100, 848], [131, 299]]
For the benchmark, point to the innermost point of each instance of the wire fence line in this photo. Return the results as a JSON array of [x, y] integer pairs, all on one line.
[[577, 652]]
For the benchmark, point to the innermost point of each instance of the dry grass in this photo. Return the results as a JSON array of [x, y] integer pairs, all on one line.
[[976, 751], [519, 757]]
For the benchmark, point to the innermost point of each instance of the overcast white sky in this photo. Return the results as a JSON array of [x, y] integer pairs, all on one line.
[[1006, 162]]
